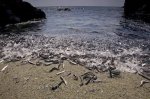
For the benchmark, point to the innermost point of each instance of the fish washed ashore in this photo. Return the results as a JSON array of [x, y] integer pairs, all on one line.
[[77, 54], [20, 80], [39, 49]]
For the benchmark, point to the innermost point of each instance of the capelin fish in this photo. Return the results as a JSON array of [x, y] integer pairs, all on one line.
[[113, 72], [72, 62], [88, 77], [4, 68], [1, 61], [144, 82], [59, 84]]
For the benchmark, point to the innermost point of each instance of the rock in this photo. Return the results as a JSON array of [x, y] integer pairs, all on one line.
[[63, 9], [59, 9], [67, 9], [15, 11], [137, 9]]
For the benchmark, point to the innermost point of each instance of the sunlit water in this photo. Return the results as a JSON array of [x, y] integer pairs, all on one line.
[[90, 35]]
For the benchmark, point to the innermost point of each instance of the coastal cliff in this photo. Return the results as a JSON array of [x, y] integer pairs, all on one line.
[[137, 9], [15, 11]]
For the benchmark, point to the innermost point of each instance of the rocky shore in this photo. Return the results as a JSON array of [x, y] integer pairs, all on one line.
[[15, 11], [137, 9]]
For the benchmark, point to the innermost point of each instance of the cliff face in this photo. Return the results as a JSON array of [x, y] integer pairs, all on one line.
[[14, 11], [137, 9]]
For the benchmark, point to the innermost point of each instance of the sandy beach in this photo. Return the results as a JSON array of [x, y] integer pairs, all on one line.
[[27, 81]]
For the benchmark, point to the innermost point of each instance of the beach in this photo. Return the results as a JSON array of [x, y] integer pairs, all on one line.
[[27, 81], [84, 53]]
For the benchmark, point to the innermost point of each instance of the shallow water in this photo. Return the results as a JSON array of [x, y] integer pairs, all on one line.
[[94, 36]]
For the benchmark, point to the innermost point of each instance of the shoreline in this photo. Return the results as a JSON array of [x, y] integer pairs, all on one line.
[[26, 81]]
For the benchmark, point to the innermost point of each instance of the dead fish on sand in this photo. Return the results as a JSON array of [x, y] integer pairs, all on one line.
[[31, 63], [4, 68], [47, 64], [1, 61], [60, 72], [144, 82], [38, 63], [88, 77], [144, 72], [57, 86], [53, 69], [75, 77], [72, 62], [113, 72], [54, 61]]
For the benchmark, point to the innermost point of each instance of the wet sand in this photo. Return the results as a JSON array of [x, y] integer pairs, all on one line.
[[35, 82]]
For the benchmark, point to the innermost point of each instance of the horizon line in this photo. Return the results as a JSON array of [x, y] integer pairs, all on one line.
[[77, 6]]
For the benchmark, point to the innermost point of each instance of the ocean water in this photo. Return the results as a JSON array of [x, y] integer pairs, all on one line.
[[94, 36]]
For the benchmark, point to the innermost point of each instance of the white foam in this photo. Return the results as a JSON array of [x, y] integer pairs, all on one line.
[[71, 47]]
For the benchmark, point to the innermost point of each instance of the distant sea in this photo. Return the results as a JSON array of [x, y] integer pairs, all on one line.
[[97, 33]]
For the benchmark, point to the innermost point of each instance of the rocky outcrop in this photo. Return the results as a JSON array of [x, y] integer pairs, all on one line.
[[63, 9], [14, 11], [137, 9]]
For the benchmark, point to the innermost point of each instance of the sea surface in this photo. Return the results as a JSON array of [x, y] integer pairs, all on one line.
[[95, 36]]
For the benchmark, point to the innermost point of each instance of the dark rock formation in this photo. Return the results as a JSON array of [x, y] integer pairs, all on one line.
[[14, 11], [137, 9], [63, 9]]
